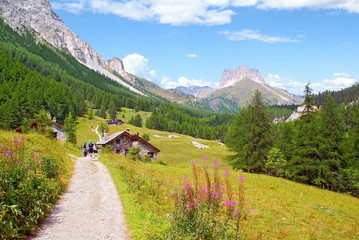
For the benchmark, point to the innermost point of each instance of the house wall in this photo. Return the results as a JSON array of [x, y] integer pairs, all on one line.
[[145, 149], [125, 144]]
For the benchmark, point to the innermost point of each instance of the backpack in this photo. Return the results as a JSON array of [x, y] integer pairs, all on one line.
[[90, 145]]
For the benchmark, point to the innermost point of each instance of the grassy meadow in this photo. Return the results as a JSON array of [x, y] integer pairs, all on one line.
[[274, 208]]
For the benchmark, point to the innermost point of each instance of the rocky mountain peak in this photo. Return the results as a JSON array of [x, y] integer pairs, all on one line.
[[231, 77], [37, 17]]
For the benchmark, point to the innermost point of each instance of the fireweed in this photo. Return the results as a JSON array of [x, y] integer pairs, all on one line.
[[28, 188], [207, 208]]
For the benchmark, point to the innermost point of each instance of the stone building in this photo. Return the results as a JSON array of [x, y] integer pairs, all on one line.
[[117, 122], [121, 143]]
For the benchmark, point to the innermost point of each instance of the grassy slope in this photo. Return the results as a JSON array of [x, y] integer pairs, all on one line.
[[280, 209]]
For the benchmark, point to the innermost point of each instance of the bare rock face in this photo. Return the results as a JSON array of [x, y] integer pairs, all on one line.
[[116, 65], [37, 17], [231, 77]]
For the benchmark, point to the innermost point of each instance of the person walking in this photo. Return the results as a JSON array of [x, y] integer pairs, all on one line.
[[90, 150], [84, 150]]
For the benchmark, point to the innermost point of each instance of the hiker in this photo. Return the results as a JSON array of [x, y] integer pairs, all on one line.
[[95, 150], [90, 145], [84, 150]]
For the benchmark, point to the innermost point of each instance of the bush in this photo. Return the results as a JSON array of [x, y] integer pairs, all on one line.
[[29, 187]]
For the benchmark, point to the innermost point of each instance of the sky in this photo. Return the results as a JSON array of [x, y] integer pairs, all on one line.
[[190, 42]]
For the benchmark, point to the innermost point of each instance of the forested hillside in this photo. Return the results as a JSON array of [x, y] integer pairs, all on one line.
[[320, 148], [347, 95]]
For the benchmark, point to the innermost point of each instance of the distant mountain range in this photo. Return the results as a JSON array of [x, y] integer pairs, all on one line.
[[237, 87]]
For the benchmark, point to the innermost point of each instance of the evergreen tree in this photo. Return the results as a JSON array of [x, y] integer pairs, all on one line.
[[136, 120], [331, 129], [102, 112], [70, 128], [90, 117], [250, 137], [44, 122], [112, 110]]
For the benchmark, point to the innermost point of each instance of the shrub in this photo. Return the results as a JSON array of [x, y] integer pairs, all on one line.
[[29, 186]]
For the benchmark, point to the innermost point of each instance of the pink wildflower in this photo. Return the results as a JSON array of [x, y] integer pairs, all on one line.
[[241, 178], [215, 164], [249, 211], [7, 153], [185, 177], [193, 161], [226, 173], [204, 158]]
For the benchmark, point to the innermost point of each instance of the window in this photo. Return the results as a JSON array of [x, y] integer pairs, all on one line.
[[118, 141]]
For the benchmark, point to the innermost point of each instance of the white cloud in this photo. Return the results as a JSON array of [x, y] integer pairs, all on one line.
[[288, 84], [138, 65], [186, 12], [72, 7], [191, 55], [349, 5], [166, 82], [340, 81], [248, 34]]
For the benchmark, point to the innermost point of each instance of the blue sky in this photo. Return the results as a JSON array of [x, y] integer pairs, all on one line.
[[191, 42]]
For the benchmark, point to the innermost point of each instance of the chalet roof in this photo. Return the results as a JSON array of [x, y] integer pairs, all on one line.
[[133, 137], [108, 139], [114, 121]]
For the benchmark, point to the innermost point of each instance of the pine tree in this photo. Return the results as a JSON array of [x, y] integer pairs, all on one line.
[[70, 128], [90, 117], [331, 129], [112, 110], [44, 122], [250, 137]]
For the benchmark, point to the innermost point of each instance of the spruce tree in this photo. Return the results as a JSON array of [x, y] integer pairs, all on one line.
[[331, 129], [70, 128], [306, 154], [112, 110], [250, 137]]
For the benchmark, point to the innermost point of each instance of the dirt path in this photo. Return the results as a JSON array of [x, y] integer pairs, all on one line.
[[89, 209]]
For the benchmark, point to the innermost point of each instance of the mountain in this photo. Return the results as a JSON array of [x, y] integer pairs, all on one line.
[[37, 16], [192, 90], [231, 77], [237, 87]]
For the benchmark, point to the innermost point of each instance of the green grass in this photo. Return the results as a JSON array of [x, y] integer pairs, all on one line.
[[280, 209]]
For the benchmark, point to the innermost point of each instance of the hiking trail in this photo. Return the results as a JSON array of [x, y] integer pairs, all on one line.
[[89, 209]]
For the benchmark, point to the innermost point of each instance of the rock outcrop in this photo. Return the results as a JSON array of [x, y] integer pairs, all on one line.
[[231, 77], [37, 17]]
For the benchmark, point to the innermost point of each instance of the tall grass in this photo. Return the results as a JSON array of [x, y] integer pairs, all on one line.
[[33, 173]]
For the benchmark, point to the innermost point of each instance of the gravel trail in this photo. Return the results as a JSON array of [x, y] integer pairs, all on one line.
[[89, 209]]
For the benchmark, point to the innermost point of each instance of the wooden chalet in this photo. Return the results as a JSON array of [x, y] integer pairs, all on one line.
[[121, 142], [117, 122]]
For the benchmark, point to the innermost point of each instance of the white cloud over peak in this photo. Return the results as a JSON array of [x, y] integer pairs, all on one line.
[[166, 82], [191, 55], [248, 34], [340, 81], [138, 65], [187, 12], [288, 84]]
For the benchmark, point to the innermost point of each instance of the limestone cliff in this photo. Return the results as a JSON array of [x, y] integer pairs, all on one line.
[[37, 17]]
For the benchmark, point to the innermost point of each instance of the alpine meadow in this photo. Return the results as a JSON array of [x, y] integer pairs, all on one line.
[[114, 149]]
